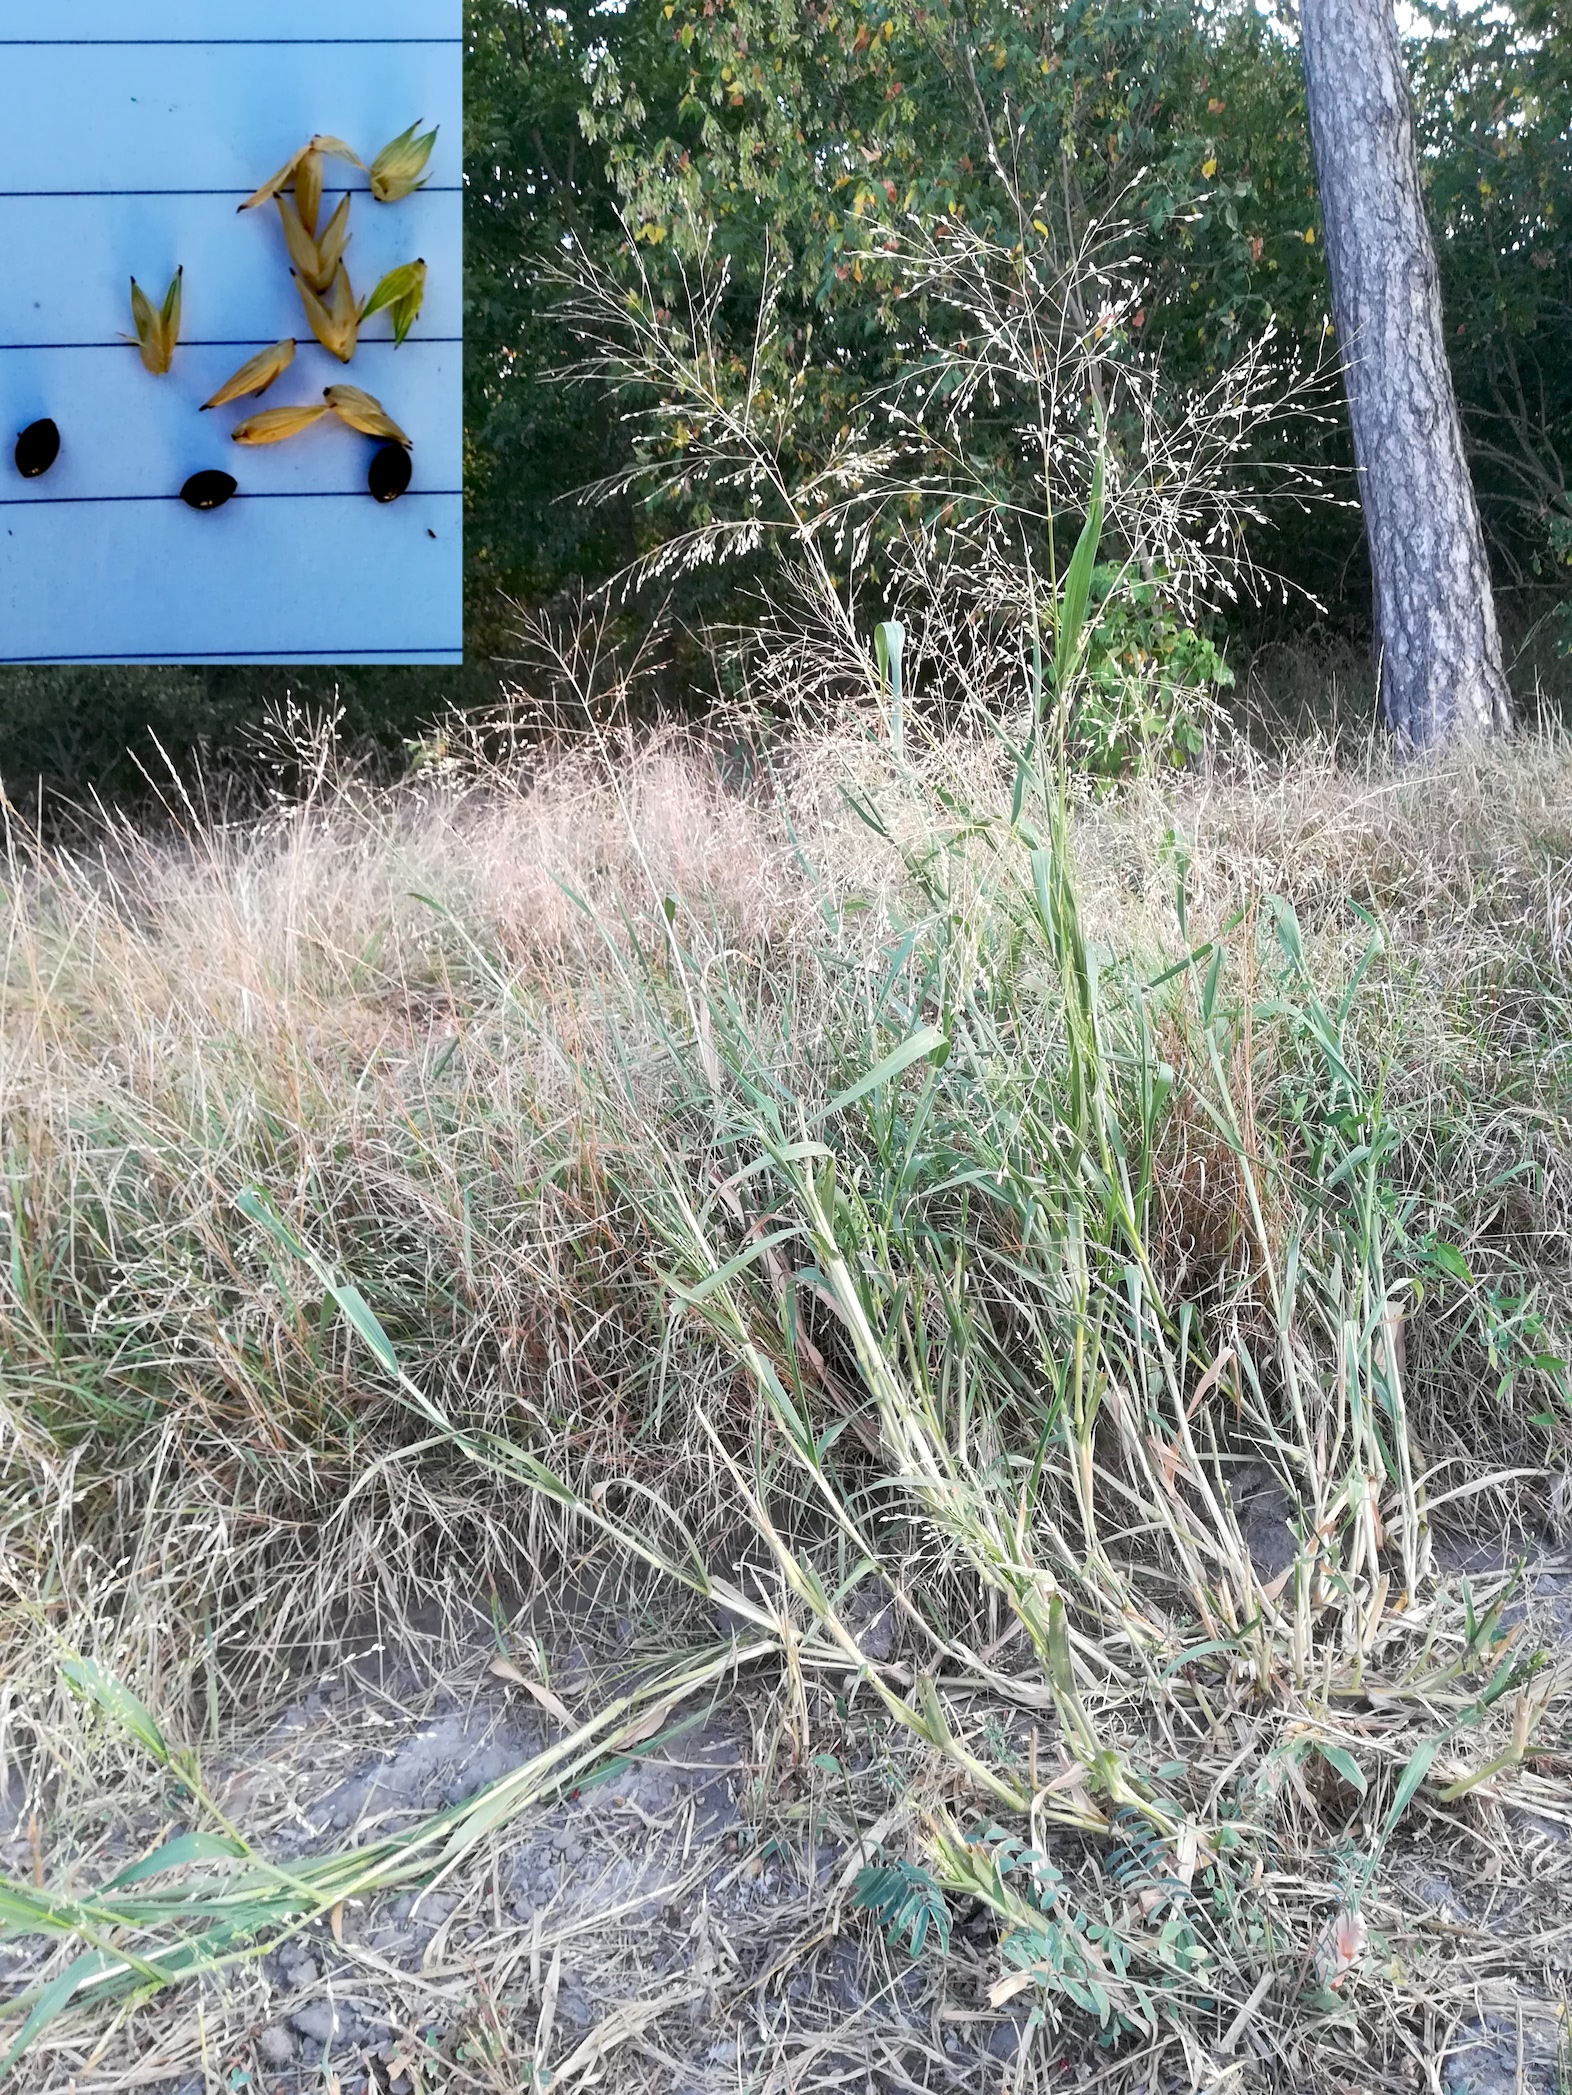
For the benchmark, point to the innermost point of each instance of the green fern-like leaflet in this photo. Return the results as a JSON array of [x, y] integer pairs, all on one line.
[[905, 1901]]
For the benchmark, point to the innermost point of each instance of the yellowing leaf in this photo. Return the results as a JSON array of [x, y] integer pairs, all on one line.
[[504, 1669], [335, 321], [276, 183], [157, 331], [308, 191], [302, 248], [325, 142], [1010, 1985], [333, 240], [290, 172], [275, 425], [256, 375], [363, 411]]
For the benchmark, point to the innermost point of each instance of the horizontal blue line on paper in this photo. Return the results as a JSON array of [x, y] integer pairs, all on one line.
[[285, 494], [250, 342], [55, 196], [271, 654], [204, 43]]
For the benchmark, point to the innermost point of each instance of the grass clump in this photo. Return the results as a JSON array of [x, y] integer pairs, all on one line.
[[1064, 1280]]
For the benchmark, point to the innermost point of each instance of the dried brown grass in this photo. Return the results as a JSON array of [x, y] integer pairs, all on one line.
[[398, 1011]]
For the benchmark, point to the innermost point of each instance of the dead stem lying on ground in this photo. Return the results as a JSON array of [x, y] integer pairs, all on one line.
[[877, 1197]]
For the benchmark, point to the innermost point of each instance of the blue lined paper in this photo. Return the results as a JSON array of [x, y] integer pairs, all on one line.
[[127, 154]]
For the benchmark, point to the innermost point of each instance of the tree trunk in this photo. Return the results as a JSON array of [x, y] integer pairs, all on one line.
[[1438, 647]]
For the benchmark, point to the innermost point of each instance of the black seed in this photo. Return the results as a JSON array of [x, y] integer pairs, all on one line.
[[391, 473], [210, 490], [37, 448]]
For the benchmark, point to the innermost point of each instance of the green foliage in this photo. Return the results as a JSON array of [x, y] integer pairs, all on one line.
[[217, 1919], [1150, 676], [906, 1903], [535, 182], [813, 134], [807, 123], [1080, 1952], [1494, 96], [950, 1312], [1151, 680]]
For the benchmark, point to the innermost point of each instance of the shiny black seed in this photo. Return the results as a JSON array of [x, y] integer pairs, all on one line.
[[37, 448], [210, 490], [391, 473]]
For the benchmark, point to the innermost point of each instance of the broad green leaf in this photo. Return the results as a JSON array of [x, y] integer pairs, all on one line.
[[176, 1853], [252, 1205], [1340, 1758], [1450, 1260], [1214, 976], [1077, 587], [1288, 930], [733, 1266], [1408, 1788], [1360, 1154], [1190, 960], [365, 1320], [889, 641], [89, 1680], [350, 1300], [54, 2001], [927, 1040], [1218, 1647]]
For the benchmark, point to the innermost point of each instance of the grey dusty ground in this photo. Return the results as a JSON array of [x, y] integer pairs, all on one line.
[[642, 1923], [686, 1925]]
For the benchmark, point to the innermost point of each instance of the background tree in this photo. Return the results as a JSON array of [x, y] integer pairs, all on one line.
[[832, 138], [1494, 114], [1437, 641], [534, 182]]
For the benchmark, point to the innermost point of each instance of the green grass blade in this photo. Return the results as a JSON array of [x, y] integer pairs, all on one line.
[[176, 1854], [54, 2000], [926, 1041], [1078, 588]]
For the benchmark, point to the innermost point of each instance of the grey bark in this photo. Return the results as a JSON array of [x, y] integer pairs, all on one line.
[[1438, 646]]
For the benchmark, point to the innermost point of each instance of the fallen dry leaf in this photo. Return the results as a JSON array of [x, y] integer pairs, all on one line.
[[1342, 1948], [504, 1669]]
